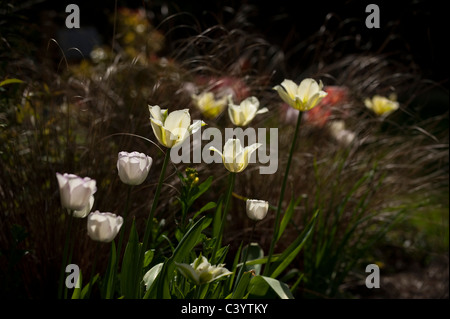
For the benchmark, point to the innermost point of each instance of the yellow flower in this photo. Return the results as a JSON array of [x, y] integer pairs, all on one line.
[[172, 129], [234, 157], [302, 97], [242, 114], [381, 105], [208, 105]]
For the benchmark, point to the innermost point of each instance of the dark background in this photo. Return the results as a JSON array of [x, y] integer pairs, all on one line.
[[415, 28]]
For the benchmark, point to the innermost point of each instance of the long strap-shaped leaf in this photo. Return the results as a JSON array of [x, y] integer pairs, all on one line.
[[160, 289]]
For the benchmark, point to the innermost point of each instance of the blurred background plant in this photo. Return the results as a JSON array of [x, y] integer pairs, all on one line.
[[379, 185]]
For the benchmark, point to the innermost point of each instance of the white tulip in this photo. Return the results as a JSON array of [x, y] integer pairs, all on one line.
[[244, 113], [103, 226], [133, 167], [201, 272], [302, 97], [256, 209], [209, 105], [234, 157], [75, 191], [172, 129]]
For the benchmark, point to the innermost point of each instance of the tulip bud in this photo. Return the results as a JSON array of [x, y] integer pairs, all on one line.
[[75, 191], [103, 226], [257, 209], [133, 167]]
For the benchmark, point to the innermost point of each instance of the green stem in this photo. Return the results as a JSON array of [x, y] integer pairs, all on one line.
[[64, 261], [231, 179], [148, 228], [122, 230], [93, 269], [246, 256], [119, 247], [280, 202]]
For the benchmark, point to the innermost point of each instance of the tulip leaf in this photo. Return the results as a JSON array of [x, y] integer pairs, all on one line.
[[208, 206], [129, 279], [160, 289], [203, 187], [292, 251], [111, 272], [288, 215], [10, 81], [255, 252], [241, 288], [77, 291], [148, 257], [266, 287], [86, 288]]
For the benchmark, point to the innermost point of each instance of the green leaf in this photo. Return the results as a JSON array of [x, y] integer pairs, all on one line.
[[111, 272], [160, 289], [208, 206], [203, 187], [77, 291], [148, 257], [86, 288], [291, 252], [288, 215], [10, 81], [266, 287], [241, 288], [255, 253], [129, 279]]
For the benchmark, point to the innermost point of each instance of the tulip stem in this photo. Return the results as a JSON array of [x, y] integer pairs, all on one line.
[[245, 256], [119, 246], [148, 228], [93, 269], [65, 251], [231, 179], [280, 201]]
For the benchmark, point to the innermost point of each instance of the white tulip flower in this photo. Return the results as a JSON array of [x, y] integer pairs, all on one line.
[[172, 129], [103, 227], [234, 157], [244, 113], [257, 209], [302, 97], [201, 272], [133, 167], [75, 191]]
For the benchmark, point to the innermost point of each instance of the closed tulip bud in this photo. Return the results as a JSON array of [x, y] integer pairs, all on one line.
[[172, 129], [133, 167], [234, 157], [257, 209], [302, 97], [244, 113], [381, 105], [103, 227], [75, 191]]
